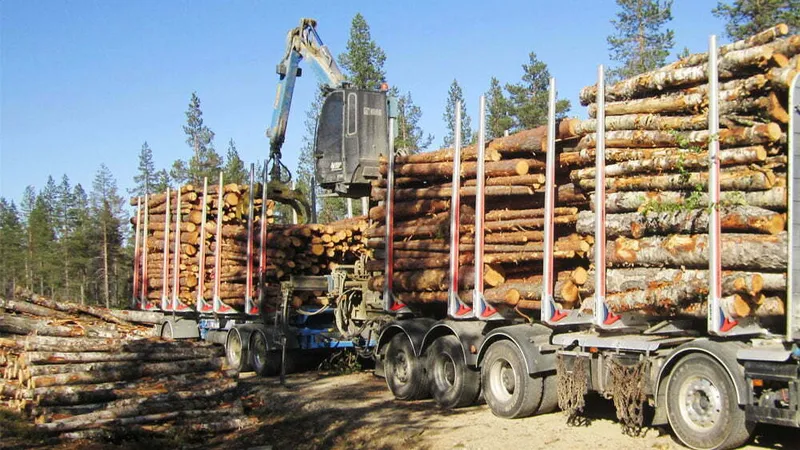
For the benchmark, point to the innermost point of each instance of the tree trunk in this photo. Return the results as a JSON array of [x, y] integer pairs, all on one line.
[[738, 180], [728, 137], [741, 219], [468, 169], [739, 251]]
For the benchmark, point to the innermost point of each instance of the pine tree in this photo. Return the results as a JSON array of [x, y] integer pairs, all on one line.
[[145, 180], [498, 111], [27, 206], [364, 59], [455, 95], [747, 17], [42, 243], [81, 242], [64, 230], [107, 211], [529, 98], [12, 248], [161, 182], [641, 43], [305, 179], [234, 171], [410, 136], [205, 162]]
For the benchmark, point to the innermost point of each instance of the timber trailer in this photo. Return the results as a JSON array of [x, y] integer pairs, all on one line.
[[260, 337], [711, 383]]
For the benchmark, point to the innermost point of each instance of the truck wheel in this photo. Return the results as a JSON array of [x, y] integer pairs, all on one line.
[[452, 383], [549, 395], [405, 373], [265, 362], [702, 407], [167, 332], [508, 389], [235, 350]]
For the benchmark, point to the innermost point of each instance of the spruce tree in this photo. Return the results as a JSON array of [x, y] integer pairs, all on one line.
[[12, 248], [42, 245], [641, 43], [364, 59], [145, 180], [80, 243], [234, 170], [410, 136], [455, 95], [529, 98], [747, 17], [64, 229], [27, 206], [498, 111], [107, 210], [205, 162]]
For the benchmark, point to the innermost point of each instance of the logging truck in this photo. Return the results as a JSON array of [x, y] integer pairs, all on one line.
[[207, 257], [672, 283]]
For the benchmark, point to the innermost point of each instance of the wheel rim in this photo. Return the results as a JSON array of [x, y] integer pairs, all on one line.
[[700, 403], [502, 380], [402, 368], [259, 349], [234, 348], [445, 370]]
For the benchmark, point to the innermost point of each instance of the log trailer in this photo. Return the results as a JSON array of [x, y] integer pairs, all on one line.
[[257, 336], [710, 383]]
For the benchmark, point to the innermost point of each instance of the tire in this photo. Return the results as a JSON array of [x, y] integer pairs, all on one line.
[[452, 383], [405, 373], [549, 395], [167, 331], [702, 407], [265, 362], [508, 389], [235, 351]]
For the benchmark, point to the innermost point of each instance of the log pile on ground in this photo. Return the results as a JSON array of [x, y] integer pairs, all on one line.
[[657, 180], [307, 249], [81, 372], [514, 223]]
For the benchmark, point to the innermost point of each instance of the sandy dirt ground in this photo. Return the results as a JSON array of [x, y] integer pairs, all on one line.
[[357, 411]]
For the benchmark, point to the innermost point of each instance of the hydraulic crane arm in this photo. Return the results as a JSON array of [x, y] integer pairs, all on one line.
[[302, 43]]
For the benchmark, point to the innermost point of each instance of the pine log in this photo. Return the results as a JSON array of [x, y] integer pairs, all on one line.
[[739, 251], [468, 153], [30, 308], [774, 199], [738, 180], [740, 219], [25, 325], [85, 344], [760, 38], [70, 358], [468, 169], [444, 192], [146, 317], [516, 237], [683, 160], [534, 180], [410, 209], [438, 280], [646, 121], [642, 278], [781, 77], [728, 137]]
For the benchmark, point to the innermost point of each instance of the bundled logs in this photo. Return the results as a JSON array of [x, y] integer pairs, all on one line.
[[514, 224], [80, 371], [657, 175], [306, 249]]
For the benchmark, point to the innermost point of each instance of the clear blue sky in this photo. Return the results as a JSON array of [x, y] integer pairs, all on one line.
[[87, 82]]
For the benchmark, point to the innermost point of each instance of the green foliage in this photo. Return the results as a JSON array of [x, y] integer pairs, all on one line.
[[529, 98], [12, 248], [410, 136], [364, 59], [641, 43], [684, 53], [498, 111], [234, 171], [108, 216], [747, 17], [455, 95], [341, 363], [204, 162], [161, 182], [146, 180]]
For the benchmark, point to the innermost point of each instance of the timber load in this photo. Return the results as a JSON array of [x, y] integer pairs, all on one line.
[[657, 175], [513, 223], [220, 244], [82, 372]]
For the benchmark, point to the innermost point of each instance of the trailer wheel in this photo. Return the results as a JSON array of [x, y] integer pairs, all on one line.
[[405, 373], [508, 389], [167, 332], [702, 407], [452, 383], [235, 350], [266, 363]]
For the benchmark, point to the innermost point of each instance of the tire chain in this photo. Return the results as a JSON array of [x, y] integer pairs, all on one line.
[[572, 387], [628, 384]]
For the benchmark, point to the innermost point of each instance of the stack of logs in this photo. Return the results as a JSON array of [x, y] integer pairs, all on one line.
[[81, 371], [307, 249], [657, 180], [514, 222]]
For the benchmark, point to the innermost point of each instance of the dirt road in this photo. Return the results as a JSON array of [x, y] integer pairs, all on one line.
[[357, 412]]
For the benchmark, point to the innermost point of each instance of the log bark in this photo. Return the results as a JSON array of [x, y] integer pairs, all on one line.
[[642, 278], [761, 38], [437, 280], [739, 251], [728, 137], [686, 160], [468, 169], [740, 219], [618, 155], [30, 308], [738, 180], [774, 199], [410, 209]]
